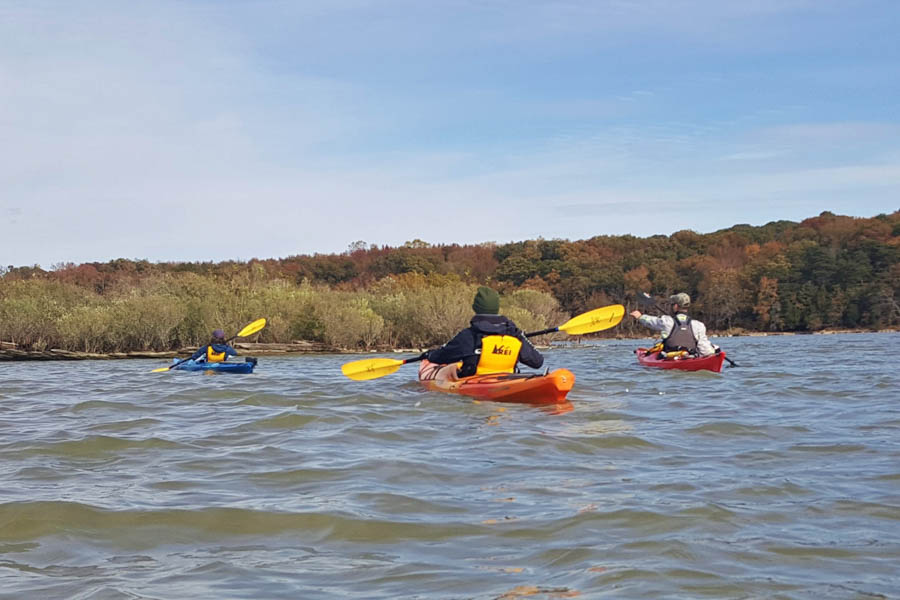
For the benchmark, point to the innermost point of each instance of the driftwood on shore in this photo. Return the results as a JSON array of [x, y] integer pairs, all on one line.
[[57, 354], [295, 347], [9, 351]]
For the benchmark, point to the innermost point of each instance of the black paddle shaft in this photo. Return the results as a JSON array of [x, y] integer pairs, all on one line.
[[645, 300], [529, 334]]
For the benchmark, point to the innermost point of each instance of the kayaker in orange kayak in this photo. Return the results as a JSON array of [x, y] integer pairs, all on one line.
[[680, 331], [491, 344]]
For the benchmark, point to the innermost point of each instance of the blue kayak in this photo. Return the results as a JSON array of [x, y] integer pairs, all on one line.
[[217, 367]]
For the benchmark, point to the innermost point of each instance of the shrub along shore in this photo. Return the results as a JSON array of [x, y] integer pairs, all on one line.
[[171, 314]]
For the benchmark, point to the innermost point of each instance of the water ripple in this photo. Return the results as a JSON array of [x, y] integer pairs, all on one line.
[[777, 479]]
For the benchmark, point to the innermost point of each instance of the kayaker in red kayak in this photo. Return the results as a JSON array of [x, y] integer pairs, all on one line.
[[680, 331], [217, 350], [491, 344]]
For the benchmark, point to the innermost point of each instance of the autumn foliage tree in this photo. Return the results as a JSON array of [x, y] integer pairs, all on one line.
[[828, 271]]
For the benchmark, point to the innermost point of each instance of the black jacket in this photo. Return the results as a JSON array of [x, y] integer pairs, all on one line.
[[463, 346]]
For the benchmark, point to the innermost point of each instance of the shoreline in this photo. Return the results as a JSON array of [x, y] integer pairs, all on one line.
[[10, 353]]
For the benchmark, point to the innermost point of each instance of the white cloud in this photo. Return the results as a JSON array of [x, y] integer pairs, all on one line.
[[752, 155], [831, 133]]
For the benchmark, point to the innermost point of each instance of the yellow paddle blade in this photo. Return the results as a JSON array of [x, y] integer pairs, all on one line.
[[370, 368], [594, 320], [160, 370], [251, 328]]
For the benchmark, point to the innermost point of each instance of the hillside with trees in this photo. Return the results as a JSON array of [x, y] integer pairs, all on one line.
[[829, 271]]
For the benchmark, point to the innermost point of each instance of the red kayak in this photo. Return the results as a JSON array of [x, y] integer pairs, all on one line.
[[713, 362]]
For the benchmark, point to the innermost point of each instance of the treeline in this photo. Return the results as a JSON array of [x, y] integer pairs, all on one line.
[[828, 271]]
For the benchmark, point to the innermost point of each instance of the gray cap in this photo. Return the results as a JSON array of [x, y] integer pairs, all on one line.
[[681, 299]]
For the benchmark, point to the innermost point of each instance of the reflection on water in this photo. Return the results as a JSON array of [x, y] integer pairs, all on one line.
[[776, 479], [595, 428]]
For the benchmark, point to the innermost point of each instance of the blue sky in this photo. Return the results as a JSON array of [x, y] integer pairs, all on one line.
[[214, 130]]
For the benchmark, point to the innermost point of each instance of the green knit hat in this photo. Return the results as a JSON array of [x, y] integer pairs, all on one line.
[[487, 302]]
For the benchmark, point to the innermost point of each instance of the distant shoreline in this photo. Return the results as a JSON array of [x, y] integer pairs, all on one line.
[[820, 332], [9, 352]]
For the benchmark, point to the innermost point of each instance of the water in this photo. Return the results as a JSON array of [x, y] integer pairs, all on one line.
[[778, 479]]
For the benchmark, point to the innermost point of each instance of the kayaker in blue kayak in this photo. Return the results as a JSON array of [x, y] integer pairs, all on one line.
[[680, 331], [217, 350], [491, 344]]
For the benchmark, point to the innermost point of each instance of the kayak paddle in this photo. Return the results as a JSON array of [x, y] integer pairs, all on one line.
[[645, 300], [589, 322], [248, 330]]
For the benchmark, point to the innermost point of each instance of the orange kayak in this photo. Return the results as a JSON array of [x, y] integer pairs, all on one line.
[[549, 388], [713, 362]]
